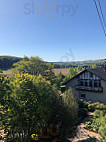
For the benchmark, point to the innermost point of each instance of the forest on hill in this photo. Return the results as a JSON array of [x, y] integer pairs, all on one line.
[[6, 62]]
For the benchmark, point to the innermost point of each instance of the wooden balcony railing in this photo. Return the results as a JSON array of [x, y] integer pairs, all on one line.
[[93, 89]]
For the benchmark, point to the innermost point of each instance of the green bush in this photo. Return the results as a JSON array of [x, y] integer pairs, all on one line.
[[71, 112], [98, 123], [83, 104], [102, 129], [82, 113], [97, 105]]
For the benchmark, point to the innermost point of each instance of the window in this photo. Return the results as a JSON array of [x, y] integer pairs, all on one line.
[[90, 83], [91, 75], [86, 82], [97, 83], [82, 96], [81, 82]]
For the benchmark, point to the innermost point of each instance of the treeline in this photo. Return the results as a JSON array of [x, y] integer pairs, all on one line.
[[76, 63], [60, 66], [83, 65], [6, 62], [100, 64]]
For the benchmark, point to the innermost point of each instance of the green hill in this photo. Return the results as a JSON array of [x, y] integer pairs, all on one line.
[[6, 62]]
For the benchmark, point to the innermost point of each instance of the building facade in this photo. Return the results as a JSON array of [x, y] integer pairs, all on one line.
[[89, 85]]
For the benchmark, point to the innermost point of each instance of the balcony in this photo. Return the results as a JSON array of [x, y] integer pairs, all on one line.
[[92, 89]]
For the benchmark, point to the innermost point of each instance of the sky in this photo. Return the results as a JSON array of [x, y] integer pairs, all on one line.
[[54, 30]]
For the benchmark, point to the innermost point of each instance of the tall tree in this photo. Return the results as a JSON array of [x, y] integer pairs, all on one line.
[[34, 66], [31, 104]]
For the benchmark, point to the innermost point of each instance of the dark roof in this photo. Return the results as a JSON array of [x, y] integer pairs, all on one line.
[[100, 72]]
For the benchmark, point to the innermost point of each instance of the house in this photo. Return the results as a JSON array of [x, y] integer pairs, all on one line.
[[89, 85]]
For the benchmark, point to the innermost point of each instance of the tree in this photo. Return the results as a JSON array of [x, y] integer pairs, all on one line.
[[32, 104], [100, 64], [34, 66], [73, 72], [4, 88], [71, 106], [58, 80], [6, 62]]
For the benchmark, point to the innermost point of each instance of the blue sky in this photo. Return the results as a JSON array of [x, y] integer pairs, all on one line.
[[65, 30]]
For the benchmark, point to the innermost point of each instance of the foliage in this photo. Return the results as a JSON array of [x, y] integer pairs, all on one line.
[[82, 113], [76, 64], [102, 129], [4, 87], [73, 72], [71, 109], [1, 71], [29, 94], [98, 123], [4, 93], [97, 105], [83, 104], [100, 64], [58, 79], [6, 62], [32, 103], [34, 66], [82, 110]]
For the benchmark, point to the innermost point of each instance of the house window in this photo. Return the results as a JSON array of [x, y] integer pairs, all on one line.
[[82, 96], [97, 83], [81, 82], [91, 75], [86, 82], [90, 83]]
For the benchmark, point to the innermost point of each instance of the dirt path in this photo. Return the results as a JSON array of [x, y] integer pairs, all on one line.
[[83, 134]]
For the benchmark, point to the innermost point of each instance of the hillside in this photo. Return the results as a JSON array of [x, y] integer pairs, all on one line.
[[81, 62], [6, 62], [76, 63]]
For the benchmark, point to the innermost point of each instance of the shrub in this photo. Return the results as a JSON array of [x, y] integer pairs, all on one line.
[[97, 105], [82, 113], [83, 104], [102, 129], [70, 113], [98, 122]]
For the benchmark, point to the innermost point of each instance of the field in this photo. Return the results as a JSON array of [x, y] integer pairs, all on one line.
[[56, 71], [7, 72], [63, 71]]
